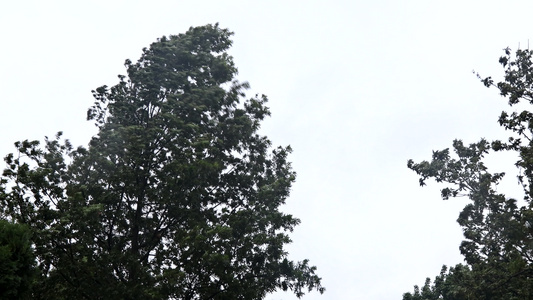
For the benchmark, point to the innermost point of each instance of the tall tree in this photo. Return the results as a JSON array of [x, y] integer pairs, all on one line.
[[176, 197], [498, 230]]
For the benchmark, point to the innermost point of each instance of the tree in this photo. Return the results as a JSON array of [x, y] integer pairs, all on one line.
[[498, 230], [17, 262], [176, 197]]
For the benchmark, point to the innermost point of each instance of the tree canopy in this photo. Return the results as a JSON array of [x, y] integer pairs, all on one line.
[[177, 197], [498, 230]]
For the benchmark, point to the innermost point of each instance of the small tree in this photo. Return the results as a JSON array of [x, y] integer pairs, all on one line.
[[17, 262], [498, 231], [177, 197]]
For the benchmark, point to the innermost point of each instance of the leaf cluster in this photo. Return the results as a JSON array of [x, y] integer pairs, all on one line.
[[17, 261]]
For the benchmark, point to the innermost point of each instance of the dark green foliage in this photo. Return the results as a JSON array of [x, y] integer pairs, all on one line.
[[177, 197], [498, 231], [17, 261]]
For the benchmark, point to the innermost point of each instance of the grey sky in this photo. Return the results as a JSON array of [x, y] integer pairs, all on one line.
[[355, 87]]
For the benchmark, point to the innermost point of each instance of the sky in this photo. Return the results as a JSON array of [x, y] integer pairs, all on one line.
[[355, 87]]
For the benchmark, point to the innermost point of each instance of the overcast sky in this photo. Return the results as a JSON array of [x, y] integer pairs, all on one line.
[[355, 87]]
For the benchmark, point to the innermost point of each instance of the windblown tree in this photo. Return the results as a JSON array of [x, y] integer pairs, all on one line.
[[498, 230], [176, 197]]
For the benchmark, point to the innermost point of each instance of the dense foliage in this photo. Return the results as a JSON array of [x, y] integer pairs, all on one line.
[[498, 230], [17, 262], [176, 197]]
